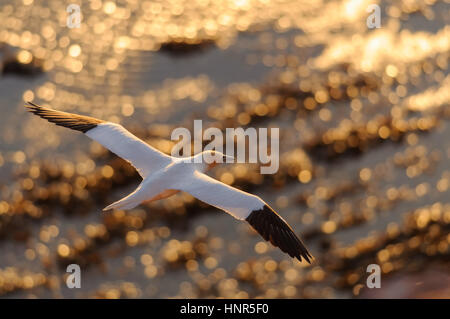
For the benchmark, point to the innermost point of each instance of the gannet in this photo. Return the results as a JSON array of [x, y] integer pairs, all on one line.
[[164, 175]]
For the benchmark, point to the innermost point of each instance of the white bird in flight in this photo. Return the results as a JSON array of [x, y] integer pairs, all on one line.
[[164, 176]]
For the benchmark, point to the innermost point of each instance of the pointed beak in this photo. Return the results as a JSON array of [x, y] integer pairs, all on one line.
[[228, 159]]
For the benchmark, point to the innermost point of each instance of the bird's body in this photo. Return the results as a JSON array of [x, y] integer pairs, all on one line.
[[164, 176], [160, 184]]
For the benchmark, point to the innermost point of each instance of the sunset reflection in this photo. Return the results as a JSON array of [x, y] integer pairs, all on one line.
[[364, 173]]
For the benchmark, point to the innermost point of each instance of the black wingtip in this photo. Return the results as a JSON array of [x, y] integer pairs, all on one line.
[[272, 227], [33, 108], [308, 257], [30, 106], [73, 121]]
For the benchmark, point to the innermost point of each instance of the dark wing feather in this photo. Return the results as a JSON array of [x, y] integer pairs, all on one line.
[[274, 229], [114, 137], [73, 121]]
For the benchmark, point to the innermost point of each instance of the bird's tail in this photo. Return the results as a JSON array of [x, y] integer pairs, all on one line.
[[124, 203], [127, 202]]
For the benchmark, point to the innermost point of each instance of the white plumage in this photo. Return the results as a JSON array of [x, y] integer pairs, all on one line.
[[118, 140], [237, 203], [164, 176]]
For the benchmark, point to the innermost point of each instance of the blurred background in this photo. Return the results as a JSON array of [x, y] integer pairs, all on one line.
[[364, 146]]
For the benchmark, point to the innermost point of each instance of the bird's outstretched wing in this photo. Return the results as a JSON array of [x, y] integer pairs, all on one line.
[[245, 206], [114, 137]]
